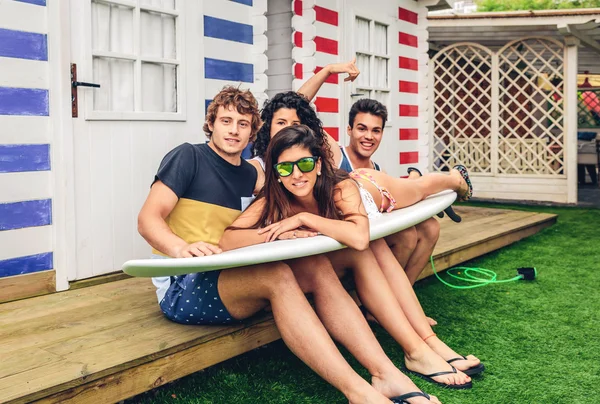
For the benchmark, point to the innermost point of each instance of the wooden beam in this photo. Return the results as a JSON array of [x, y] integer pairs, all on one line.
[[571, 30], [27, 285], [130, 382], [98, 280]]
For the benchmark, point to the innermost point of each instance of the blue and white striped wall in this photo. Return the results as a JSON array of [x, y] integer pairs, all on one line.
[[26, 242], [235, 43]]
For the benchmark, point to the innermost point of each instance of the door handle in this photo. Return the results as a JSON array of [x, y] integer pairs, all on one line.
[[74, 85], [356, 94], [84, 84]]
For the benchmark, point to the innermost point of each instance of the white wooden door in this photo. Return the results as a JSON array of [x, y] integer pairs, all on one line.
[[146, 56], [369, 31]]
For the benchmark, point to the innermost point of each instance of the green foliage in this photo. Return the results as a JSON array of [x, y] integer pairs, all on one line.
[[516, 5], [538, 340]]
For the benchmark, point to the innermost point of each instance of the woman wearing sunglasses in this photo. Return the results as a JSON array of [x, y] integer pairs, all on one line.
[[304, 196]]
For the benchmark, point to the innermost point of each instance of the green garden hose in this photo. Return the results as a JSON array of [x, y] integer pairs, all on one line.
[[481, 276]]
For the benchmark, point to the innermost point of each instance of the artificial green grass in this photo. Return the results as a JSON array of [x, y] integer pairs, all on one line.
[[539, 340]]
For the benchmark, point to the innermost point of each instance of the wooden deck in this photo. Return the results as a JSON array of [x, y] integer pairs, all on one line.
[[108, 342]]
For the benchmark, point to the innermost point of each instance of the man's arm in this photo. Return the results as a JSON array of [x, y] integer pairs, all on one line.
[[312, 86], [152, 226]]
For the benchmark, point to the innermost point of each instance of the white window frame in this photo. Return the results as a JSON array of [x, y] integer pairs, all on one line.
[[179, 61], [356, 88]]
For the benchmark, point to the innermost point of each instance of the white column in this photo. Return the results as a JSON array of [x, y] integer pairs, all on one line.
[[570, 142]]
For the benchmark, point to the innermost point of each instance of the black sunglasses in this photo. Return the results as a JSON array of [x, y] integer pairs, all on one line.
[[305, 164]]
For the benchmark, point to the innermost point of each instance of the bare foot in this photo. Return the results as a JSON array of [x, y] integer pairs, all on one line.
[[461, 186], [374, 398], [395, 383], [426, 361], [447, 353], [431, 321]]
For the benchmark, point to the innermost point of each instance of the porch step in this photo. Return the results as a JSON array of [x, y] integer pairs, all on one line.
[[109, 342]]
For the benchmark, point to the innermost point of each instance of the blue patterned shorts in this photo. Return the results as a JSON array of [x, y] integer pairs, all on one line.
[[194, 299]]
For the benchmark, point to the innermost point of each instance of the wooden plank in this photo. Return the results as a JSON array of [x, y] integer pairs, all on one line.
[[98, 280], [25, 359], [48, 380], [114, 290], [92, 315], [497, 230], [130, 382], [456, 236], [28, 285], [26, 384]]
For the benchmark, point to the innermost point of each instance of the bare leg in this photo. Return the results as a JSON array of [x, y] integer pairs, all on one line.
[[244, 291], [413, 247], [403, 244], [408, 192], [409, 302], [428, 234], [343, 320], [377, 296]]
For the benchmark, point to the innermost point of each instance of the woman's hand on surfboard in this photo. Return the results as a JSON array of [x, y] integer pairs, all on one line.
[[198, 249], [273, 231], [290, 235]]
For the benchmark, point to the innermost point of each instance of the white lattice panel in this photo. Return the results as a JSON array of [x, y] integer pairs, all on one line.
[[462, 108], [531, 108]]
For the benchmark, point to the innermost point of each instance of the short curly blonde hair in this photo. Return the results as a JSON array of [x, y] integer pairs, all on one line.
[[242, 100]]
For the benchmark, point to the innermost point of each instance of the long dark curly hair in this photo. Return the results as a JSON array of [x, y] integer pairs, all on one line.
[[278, 198], [306, 114]]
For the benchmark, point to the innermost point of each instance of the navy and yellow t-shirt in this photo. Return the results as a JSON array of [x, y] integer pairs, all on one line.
[[212, 192]]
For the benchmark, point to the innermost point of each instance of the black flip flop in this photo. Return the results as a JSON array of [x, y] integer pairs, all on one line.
[[402, 399], [449, 211], [473, 370], [430, 377]]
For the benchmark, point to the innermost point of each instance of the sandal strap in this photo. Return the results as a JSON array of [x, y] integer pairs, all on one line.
[[411, 169], [445, 372], [407, 396], [465, 174], [461, 358]]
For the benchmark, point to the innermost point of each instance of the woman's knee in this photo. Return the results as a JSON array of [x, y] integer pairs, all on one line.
[[314, 272], [278, 275], [429, 230], [407, 238]]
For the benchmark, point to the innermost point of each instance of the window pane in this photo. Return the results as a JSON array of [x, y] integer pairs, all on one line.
[[159, 87], [115, 77], [383, 97], [166, 4], [361, 34], [364, 65], [158, 35], [380, 78], [112, 28], [380, 35]]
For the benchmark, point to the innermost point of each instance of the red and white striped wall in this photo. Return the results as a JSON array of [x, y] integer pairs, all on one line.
[[408, 86], [315, 36]]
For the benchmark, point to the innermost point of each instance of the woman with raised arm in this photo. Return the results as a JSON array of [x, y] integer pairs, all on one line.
[[304, 196]]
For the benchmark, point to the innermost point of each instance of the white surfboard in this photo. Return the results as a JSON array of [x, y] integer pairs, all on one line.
[[386, 224]]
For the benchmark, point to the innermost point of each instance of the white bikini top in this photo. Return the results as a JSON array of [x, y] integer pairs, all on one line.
[[260, 161]]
